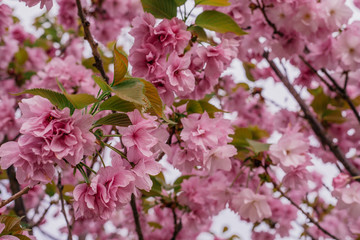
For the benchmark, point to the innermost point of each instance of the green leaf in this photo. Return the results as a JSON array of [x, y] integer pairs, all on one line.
[[199, 32], [101, 83], [80, 100], [209, 108], [248, 66], [115, 119], [152, 95], [21, 56], [115, 103], [50, 189], [219, 3], [12, 224], [200, 107], [56, 98], [120, 65], [22, 237], [160, 8], [130, 90], [218, 22], [155, 225], [180, 2], [333, 116], [194, 107], [178, 181], [257, 146]]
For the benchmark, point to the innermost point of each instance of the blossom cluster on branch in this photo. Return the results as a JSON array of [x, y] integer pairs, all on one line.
[[92, 138]]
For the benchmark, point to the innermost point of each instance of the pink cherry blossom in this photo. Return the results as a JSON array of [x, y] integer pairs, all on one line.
[[202, 131], [341, 180], [250, 205], [180, 78], [109, 189], [349, 199], [31, 3], [172, 35], [291, 149]]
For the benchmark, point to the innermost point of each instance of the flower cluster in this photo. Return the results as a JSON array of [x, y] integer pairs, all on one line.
[[49, 136]]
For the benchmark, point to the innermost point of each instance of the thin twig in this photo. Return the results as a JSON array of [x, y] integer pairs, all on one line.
[[314, 123], [305, 213], [136, 217], [15, 189], [61, 187], [342, 92], [177, 224], [317, 74], [93, 44], [15, 196], [270, 23], [38, 222]]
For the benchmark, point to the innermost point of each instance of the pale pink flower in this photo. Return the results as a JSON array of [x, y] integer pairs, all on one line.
[[66, 136], [291, 150], [202, 131], [341, 180], [180, 78], [338, 13], [296, 178], [142, 29], [7, 51], [67, 16], [147, 61], [36, 59], [219, 158], [250, 205], [110, 189], [9, 127], [73, 76], [5, 18], [172, 35], [33, 163], [349, 199], [31, 3], [139, 136], [347, 46]]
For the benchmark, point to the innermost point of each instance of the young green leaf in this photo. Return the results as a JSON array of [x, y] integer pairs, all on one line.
[[160, 8], [151, 93], [257, 146], [130, 90], [180, 2], [81, 100], [101, 83], [218, 3], [120, 65], [56, 98], [115, 103], [218, 22], [115, 119]]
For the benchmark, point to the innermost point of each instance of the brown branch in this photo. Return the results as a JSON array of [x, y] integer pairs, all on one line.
[[61, 187], [177, 224], [15, 197], [305, 213], [136, 217], [342, 92], [270, 23], [15, 189], [38, 222], [316, 73], [93, 44], [277, 188], [314, 123]]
